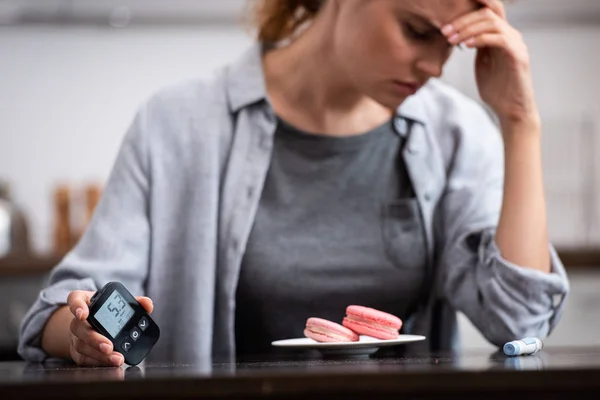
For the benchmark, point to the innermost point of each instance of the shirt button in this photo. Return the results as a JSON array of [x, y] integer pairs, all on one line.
[[250, 192], [427, 196]]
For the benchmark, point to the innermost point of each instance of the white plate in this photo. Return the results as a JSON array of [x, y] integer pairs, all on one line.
[[364, 347]]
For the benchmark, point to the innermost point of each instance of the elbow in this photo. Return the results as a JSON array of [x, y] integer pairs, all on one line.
[[29, 347], [498, 330], [502, 319]]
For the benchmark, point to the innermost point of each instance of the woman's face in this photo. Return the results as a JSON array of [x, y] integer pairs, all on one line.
[[387, 46]]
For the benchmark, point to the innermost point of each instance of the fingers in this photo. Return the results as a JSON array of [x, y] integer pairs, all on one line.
[[78, 301], [468, 28], [83, 331], [459, 24], [88, 344], [478, 28], [83, 354], [496, 6], [147, 303], [83, 360], [472, 24], [487, 40]]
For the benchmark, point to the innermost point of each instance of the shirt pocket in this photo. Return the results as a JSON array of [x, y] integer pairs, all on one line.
[[403, 233]]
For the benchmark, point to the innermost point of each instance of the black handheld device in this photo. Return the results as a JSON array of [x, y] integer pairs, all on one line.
[[116, 314]]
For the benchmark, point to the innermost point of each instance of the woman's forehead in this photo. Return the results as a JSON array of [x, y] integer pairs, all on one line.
[[439, 11]]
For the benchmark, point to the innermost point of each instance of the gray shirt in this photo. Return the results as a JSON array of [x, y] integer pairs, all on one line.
[[325, 234], [174, 219]]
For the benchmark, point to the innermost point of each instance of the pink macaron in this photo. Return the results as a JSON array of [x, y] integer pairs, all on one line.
[[324, 331], [371, 322]]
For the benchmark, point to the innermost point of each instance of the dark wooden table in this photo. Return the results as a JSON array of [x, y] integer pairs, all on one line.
[[551, 374]]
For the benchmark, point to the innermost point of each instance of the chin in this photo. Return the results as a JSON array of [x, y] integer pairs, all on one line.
[[390, 101]]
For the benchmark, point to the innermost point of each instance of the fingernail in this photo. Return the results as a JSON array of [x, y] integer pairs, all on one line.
[[447, 30], [470, 42], [79, 313], [454, 38], [116, 360], [105, 348]]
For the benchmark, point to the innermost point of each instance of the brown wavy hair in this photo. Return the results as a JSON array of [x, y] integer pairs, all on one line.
[[278, 20]]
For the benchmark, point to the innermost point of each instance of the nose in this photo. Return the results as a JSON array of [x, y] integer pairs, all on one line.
[[431, 62], [430, 67]]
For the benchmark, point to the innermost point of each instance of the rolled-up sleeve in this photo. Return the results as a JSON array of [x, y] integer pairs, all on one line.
[[503, 300], [114, 247]]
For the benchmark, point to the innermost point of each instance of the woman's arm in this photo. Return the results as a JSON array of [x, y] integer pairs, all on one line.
[[55, 337], [522, 234], [115, 246], [504, 80], [503, 299]]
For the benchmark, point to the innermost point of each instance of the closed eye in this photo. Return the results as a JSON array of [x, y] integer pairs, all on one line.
[[428, 36], [416, 34]]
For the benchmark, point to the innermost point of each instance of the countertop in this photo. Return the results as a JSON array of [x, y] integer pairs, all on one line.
[[552, 373]]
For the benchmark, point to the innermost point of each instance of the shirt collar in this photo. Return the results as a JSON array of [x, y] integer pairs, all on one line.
[[246, 85], [245, 79], [413, 108]]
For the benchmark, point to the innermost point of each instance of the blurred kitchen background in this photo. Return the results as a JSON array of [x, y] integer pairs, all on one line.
[[73, 72]]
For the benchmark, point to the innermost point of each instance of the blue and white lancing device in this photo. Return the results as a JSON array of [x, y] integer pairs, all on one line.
[[523, 347]]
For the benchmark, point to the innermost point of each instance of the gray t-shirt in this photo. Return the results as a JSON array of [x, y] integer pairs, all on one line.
[[337, 224]]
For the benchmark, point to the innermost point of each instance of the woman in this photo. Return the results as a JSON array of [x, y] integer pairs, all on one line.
[[324, 168]]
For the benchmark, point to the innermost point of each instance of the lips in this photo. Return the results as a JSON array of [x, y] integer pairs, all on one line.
[[408, 87]]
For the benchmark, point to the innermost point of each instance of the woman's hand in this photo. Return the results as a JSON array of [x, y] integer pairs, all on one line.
[[86, 346], [502, 65]]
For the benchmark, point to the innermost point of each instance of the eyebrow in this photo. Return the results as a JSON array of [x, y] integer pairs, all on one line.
[[433, 26], [427, 22]]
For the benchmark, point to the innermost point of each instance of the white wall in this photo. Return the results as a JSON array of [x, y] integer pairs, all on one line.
[[565, 71], [67, 96]]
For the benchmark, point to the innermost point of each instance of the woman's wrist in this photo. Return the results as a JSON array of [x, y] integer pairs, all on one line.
[[529, 123], [522, 129]]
